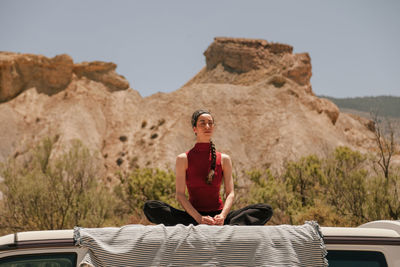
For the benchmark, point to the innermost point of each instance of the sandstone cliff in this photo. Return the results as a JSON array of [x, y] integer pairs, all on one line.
[[259, 92]]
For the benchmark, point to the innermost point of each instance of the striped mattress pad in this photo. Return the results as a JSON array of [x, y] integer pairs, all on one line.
[[203, 245]]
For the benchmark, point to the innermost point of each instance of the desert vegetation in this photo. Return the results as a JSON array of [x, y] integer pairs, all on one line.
[[45, 191], [340, 190]]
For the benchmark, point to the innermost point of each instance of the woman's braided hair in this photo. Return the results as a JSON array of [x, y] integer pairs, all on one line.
[[211, 173]]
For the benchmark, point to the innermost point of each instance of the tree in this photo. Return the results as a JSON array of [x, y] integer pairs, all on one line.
[[385, 143], [386, 149]]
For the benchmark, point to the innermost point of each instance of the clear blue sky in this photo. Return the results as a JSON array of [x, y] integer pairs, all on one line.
[[158, 45]]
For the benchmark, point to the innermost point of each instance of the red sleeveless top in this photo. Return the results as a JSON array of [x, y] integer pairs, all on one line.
[[203, 196]]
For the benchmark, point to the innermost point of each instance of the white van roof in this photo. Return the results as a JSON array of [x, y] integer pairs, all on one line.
[[383, 224], [382, 228], [36, 236], [358, 232]]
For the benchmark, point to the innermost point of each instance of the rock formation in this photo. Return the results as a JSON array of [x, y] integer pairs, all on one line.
[[250, 62], [19, 72], [259, 92]]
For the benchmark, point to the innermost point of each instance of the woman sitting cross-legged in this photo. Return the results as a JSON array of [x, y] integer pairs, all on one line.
[[201, 171]]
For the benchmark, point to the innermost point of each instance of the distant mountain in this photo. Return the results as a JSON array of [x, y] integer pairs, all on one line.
[[386, 106]]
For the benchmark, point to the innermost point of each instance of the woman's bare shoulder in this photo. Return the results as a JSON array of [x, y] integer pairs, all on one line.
[[181, 156], [225, 156], [225, 159], [181, 161]]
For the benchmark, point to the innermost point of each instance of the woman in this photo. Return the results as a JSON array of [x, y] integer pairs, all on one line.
[[201, 171]]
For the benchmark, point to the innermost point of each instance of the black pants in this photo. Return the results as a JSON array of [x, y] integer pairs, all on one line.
[[159, 212]]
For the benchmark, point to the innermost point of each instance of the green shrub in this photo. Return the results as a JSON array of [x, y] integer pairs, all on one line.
[[305, 180], [267, 188], [335, 191], [140, 185], [45, 192], [347, 180], [384, 196]]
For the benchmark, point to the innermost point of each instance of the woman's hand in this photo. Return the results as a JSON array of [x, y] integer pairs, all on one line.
[[219, 219], [207, 220]]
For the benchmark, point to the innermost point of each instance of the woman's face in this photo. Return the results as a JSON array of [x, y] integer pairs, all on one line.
[[204, 126]]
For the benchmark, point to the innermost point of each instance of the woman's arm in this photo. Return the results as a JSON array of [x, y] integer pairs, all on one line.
[[180, 186], [229, 190]]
